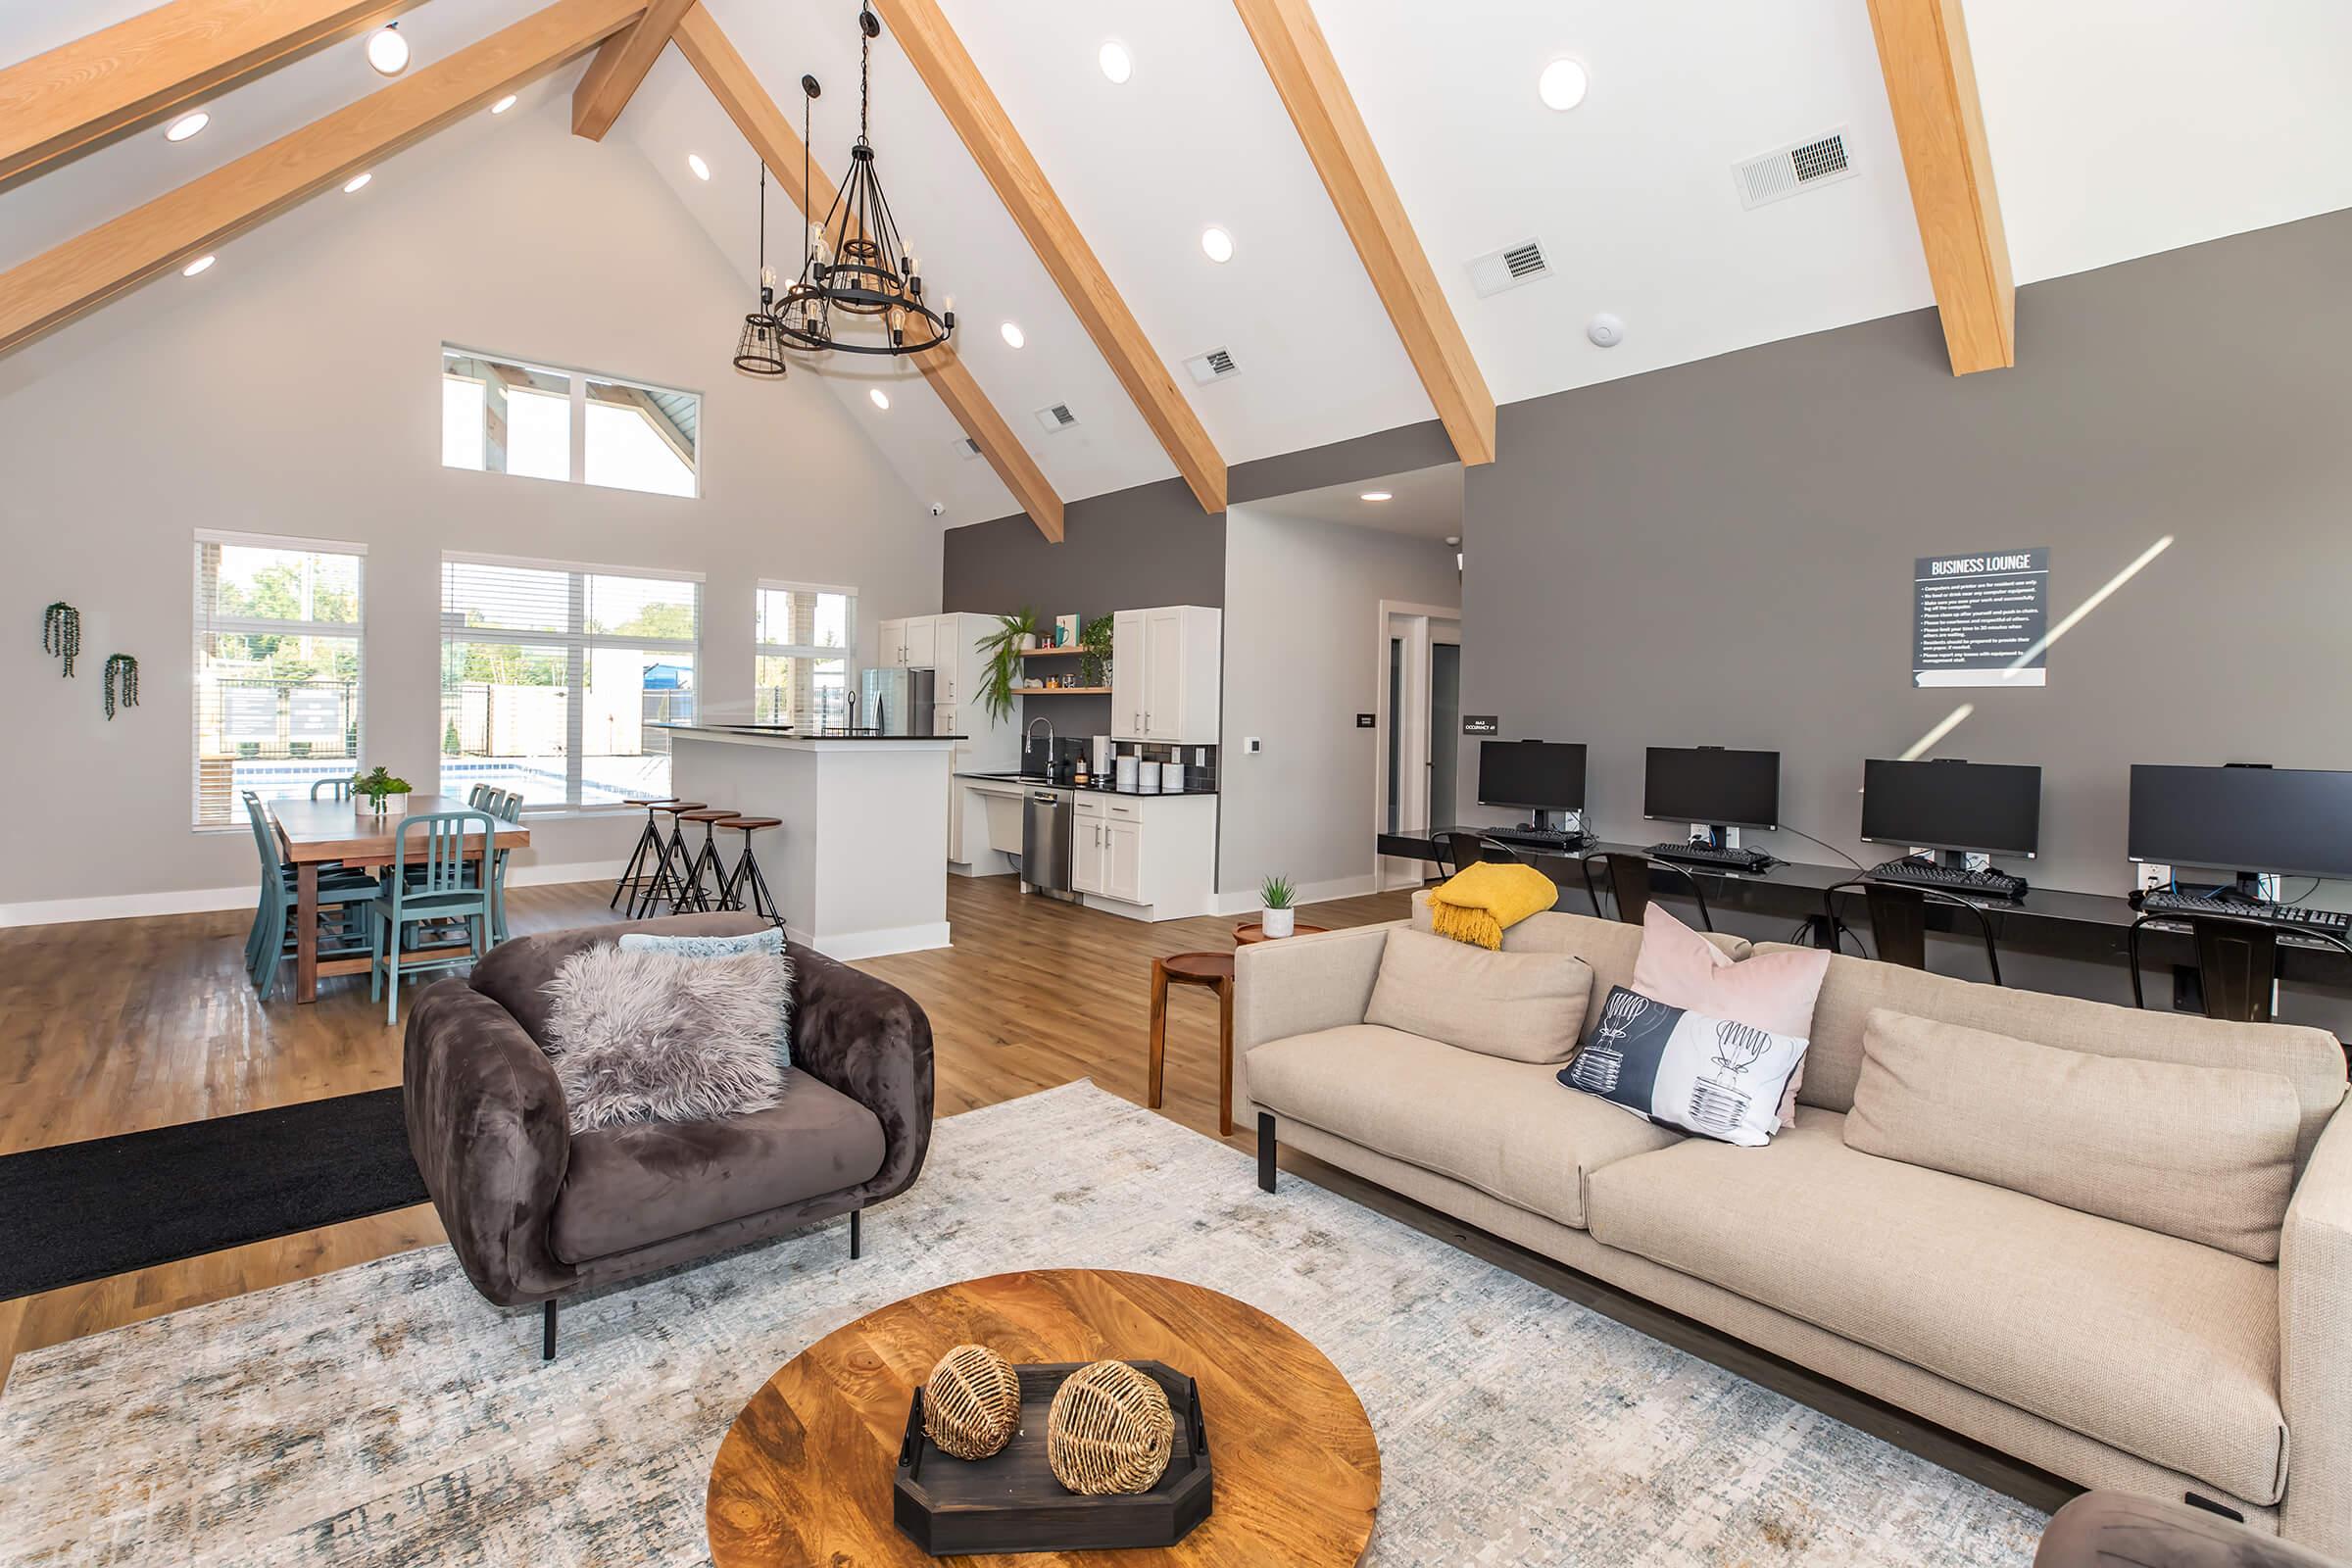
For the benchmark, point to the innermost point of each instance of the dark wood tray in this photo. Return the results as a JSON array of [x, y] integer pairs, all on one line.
[[1011, 1502]]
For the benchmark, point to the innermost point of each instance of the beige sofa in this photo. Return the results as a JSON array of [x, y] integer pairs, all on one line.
[[2110, 1355]]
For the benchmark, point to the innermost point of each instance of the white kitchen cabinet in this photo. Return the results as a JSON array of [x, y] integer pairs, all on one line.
[[1089, 847], [1166, 683], [919, 646], [890, 651], [1123, 859]]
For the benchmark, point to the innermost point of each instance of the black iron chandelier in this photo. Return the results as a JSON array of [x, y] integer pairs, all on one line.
[[759, 351], [855, 261]]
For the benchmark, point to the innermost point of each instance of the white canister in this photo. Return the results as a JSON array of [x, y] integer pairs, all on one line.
[[1123, 775], [1171, 778], [1147, 778]]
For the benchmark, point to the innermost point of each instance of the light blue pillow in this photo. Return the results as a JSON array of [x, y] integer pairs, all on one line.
[[770, 940]]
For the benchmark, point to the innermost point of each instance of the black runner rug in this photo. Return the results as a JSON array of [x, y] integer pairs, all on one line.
[[82, 1211]]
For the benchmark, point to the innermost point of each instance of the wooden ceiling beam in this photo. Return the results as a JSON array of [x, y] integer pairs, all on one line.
[[1939, 121], [1299, 59], [739, 92], [119, 77], [85, 272], [963, 94], [614, 76]]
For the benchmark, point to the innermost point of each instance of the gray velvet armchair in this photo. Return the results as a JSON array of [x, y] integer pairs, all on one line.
[[536, 1213]]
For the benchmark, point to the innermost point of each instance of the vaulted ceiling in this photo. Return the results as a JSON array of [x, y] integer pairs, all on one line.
[[2116, 129]]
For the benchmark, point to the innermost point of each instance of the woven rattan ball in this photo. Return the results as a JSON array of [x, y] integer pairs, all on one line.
[[1109, 1430], [972, 1402]]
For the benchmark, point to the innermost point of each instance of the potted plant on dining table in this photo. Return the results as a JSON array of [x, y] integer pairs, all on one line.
[[381, 790]]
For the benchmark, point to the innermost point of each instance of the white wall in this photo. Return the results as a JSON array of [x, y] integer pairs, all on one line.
[[1302, 658], [295, 388]]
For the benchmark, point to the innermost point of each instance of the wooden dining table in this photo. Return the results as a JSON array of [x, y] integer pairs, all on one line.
[[315, 833]]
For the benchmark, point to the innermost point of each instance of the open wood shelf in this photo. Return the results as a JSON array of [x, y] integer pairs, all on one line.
[[1062, 691], [1070, 651]]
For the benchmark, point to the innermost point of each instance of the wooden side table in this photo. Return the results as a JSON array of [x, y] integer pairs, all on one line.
[[1246, 932], [1216, 971]]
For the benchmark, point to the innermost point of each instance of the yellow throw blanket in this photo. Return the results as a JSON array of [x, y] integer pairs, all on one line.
[[1476, 906]]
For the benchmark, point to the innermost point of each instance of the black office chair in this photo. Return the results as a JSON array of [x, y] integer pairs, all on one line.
[[1630, 886], [1898, 921], [1457, 849], [2237, 961]]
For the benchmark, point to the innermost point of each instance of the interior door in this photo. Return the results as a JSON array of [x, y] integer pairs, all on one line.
[[1444, 729], [1418, 720], [1163, 681]]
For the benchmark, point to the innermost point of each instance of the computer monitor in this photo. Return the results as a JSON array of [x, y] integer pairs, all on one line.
[[1952, 806], [1712, 785], [1539, 776], [2297, 822]]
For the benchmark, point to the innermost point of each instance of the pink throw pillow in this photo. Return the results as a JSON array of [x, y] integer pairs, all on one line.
[[1772, 990]]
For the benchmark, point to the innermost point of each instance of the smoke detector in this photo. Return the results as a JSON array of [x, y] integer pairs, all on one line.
[[1605, 332], [1777, 175]]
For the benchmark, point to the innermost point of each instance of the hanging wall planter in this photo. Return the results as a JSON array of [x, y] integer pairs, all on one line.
[[61, 633], [122, 682]]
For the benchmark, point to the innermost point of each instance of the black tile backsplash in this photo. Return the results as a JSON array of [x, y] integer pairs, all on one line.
[[1068, 749]]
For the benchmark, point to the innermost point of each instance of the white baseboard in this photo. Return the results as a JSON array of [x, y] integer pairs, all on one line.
[[204, 901], [1345, 887], [849, 945]]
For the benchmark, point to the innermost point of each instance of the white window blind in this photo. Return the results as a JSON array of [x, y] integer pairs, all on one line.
[[279, 669], [804, 634], [556, 676]]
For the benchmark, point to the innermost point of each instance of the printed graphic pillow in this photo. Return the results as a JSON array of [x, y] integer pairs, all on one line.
[[1710, 1076]]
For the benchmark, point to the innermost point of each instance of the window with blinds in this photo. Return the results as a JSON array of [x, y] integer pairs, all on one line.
[[277, 668], [804, 634], [554, 677]]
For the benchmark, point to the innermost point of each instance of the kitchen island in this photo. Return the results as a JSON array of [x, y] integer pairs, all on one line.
[[857, 867]]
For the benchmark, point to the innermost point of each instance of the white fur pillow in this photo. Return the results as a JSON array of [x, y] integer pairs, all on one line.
[[644, 1036]]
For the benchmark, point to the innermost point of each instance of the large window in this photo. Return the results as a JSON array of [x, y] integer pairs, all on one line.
[[554, 678], [506, 416], [804, 634], [277, 668]]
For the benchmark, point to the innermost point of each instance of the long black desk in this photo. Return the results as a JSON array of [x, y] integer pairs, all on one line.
[[2053, 922]]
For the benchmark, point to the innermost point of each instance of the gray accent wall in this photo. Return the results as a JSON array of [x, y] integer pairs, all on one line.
[[1150, 545], [1721, 552]]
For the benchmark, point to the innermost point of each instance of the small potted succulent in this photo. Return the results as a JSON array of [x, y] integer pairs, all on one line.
[[381, 790], [1279, 918]]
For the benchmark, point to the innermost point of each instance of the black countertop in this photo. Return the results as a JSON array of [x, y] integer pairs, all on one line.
[[1041, 782], [785, 732]]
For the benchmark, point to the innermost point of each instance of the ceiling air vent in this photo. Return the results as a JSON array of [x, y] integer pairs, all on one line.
[[1508, 267], [966, 447], [1057, 418], [1776, 175], [1214, 365]]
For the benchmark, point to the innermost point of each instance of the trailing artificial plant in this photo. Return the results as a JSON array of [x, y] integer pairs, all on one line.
[[1094, 647], [379, 786], [61, 633], [1002, 648], [122, 682]]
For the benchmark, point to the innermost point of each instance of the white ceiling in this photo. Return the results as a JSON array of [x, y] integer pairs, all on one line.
[[1426, 503], [2117, 128]]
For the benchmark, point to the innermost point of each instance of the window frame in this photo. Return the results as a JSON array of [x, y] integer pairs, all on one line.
[[206, 623], [576, 382], [847, 653], [576, 642]]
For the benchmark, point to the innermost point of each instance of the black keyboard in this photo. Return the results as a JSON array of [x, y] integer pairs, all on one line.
[[1549, 841], [2334, 922], [1943, 879], [1708, 855]]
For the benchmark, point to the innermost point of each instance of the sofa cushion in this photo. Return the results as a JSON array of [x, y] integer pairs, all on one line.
[[1773, 991], [1521, 1007], [2149, 1343], [640, 1035], [2311, 1059], [1716, 1077], [645, 1182], [1502, 1127], [2204, 1153], [514, 974], [1610, 947]]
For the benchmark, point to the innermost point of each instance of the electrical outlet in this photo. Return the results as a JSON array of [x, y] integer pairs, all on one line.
[[1253, 745], [2152, 876]]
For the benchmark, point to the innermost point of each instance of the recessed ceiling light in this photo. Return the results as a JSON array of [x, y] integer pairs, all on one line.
[[357, 182], [1376, 495], [186, 126], [880, 397], [1563, 83], [197, 265], [1014, 337], [1216, 244], [1117, 63], [503, 105], [694, 160], [387, 50]]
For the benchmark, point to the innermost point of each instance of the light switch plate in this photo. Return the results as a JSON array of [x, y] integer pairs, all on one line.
[[1253, 745]]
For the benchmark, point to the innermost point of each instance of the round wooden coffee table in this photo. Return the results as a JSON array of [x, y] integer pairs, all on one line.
[[802, 1478]]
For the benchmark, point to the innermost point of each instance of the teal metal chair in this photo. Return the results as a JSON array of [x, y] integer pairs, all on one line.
[[433, 888], [332, 789], [274, 911], [506, 808]]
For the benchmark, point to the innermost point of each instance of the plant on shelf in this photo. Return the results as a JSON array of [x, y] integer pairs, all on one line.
[[1279, 916], [380, 787], [1094, 647], [1002, 648]]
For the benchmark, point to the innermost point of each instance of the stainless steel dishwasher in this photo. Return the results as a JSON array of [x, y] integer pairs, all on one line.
[[1047, 824]]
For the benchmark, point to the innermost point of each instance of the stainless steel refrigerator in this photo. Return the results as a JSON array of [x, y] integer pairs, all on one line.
[[897, 701]]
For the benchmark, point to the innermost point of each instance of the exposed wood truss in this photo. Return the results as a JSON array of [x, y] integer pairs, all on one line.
[[1932, 85], [619, 67], [1300, 60], [137, 70], [747, 103], [85, 272], [946, 68]]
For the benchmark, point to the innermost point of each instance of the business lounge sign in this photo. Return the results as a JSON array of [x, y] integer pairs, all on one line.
[[1981, 619]]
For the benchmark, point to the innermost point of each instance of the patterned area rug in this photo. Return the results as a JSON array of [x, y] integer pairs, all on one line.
[[385, 1414]]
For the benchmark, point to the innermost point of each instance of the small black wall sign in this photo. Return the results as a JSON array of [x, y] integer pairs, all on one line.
[[1363, 722], [1482, 724]]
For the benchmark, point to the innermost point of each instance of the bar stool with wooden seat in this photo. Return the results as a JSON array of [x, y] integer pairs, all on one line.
[[747, 876], [641, 859], [672, 863], [691, 894]]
